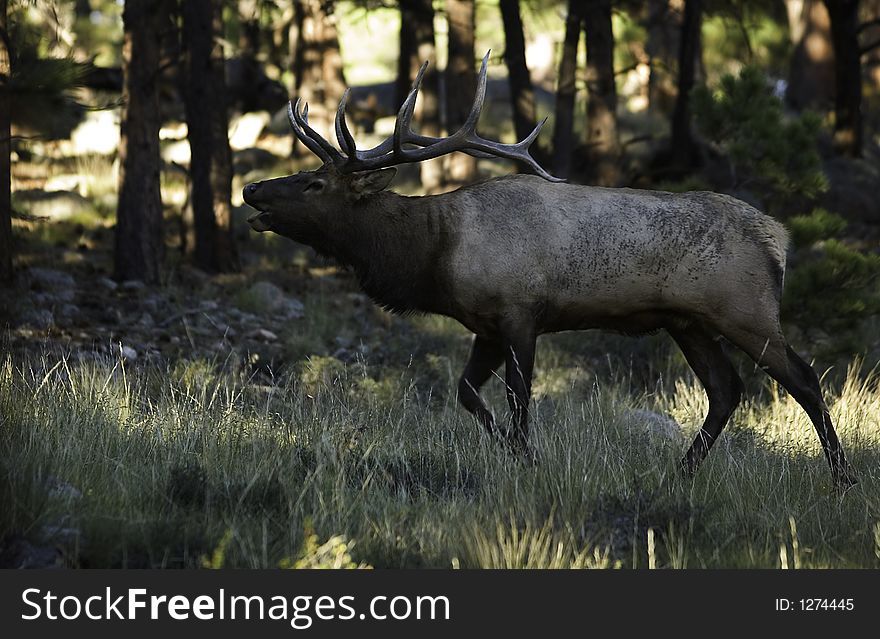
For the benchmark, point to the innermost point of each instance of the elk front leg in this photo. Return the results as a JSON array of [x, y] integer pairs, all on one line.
[[519, 360], [486, 356]]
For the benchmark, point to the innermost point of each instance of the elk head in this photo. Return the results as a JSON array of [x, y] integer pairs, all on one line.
[[298, 206]]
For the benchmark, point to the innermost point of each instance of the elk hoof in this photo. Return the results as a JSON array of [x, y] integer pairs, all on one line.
[[844, 479]]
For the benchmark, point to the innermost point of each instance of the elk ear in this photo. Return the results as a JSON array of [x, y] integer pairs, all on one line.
[[373, 181]]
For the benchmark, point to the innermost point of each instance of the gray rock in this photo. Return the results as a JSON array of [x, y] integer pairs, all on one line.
[[146, 321], [69, 312], [128, 353], [106, 282], [47, 279], [20, 553], [133, 285], [263, 334], [60, 489], [290, 308], [265, 294], [59, 534], [654, 425], [37, 318], [270, 297], [154, 303]]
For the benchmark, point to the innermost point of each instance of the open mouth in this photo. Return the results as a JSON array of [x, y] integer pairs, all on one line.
[[259, 221]]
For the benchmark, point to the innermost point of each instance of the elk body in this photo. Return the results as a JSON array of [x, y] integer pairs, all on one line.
[[514, 257]]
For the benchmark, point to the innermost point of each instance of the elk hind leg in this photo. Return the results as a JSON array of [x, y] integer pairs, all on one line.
[[486, 356], [519, 361], [721, 382], [771, 352]]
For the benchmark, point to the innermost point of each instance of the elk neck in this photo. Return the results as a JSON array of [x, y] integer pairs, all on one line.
[[398, 247]]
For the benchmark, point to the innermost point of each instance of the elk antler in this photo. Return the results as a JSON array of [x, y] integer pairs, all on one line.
[[404, 145]]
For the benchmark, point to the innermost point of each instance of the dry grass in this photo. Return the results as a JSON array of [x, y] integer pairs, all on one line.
[[172, 462]]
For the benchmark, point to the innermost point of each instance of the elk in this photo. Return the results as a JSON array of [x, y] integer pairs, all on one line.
[[518, 256]]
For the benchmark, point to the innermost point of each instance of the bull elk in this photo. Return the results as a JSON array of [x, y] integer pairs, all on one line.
[[514, 257]]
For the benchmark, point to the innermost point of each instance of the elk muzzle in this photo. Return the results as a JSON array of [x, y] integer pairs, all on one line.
[[259, 220]]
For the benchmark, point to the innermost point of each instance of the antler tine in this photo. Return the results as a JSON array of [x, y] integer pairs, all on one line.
[[343, 135], [328, 153], [470, 124], [466, 139], [402, 131], [302, 136]]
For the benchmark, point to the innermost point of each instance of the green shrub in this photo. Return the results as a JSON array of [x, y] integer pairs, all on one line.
[[834, 287], [771, 153], [806, 230]]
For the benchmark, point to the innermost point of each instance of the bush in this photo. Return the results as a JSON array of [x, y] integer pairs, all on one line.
[[767, 151], [834, 287], [806, 230]]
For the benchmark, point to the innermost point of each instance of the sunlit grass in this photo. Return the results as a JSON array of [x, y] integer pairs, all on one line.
[[172, 461]]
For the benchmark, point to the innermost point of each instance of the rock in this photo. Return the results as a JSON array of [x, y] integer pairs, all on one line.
[[60, 489], [270, 297], [47, 279], [153, 303], [59, 534], [264, 294], [128, 353], [133, 285], [107, 283], [146, 321], [291, 308], [344, 355], [854, 184], [193, 276], [19, 553], [56, 205], [69, 312], [654, 425], [263, 334], [37, 318]]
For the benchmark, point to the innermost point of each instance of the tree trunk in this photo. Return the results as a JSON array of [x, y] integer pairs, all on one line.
[[870, 35], [689, 48], [603, 142], [461, 83], [522, 94], [318, 73], [138, 241], [844, 15], [563, 130], [82, 8], [207, 130], [249, 32], [6, 272], [811, 72], [221, 157], [663, 27], [417, 45]]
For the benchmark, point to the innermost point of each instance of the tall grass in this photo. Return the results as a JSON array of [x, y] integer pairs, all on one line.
[[174, 462]]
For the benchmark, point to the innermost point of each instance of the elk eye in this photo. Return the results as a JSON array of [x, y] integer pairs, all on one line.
[[315, 186]]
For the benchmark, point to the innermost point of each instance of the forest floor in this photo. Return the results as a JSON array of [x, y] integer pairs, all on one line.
[[246, 419]]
